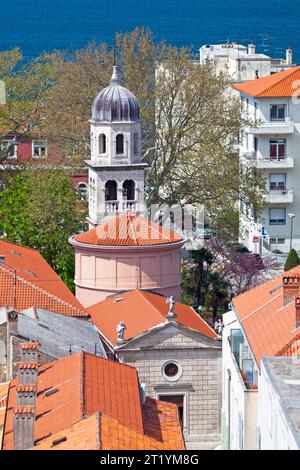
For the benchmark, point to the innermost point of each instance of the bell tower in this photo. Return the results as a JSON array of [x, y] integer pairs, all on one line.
[[116, 170]]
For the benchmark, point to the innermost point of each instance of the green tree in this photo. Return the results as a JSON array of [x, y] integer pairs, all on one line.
[[41, 210], [292, 260]]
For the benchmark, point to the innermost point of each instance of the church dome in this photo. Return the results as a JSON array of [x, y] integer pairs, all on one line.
[[115, 103]]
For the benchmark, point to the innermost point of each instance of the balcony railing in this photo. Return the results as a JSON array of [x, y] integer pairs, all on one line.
[[111, 207], [280, 196], [286, 161], [130, 206], [274, 127]]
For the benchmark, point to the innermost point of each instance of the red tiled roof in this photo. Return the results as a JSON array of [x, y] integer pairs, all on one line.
[[27, 280], [268, 324], [128, 230], [85, 384], [100, 432], [141, 310], [282, 84]]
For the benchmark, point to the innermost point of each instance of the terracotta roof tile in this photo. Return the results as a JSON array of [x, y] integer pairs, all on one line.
[[142, 310], [162, 432], [30, 345], [85, 384], [282, 84], [268, 324], [27, 280], [128, 230], [22, 410], [27, 365]]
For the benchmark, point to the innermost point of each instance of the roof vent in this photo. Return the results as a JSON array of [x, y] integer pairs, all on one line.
[[58, 441], [119, 299], [14, 252], [50, 392], [31, 273]]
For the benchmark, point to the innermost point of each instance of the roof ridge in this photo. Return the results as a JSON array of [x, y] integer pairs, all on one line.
[[22, 246], [142, 293], [12, 271], [290, 73]]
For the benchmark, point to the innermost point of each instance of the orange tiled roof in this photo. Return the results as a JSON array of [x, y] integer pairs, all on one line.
[[98, 431], [141, 310], [282, 84], [128, 230], [268, 324], [27, 280], [82, 384]]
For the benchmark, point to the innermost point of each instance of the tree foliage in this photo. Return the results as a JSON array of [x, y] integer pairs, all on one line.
[[292, 260], [41, 210]]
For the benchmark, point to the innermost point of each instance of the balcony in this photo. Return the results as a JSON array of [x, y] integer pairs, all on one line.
[[111, 207], [274, 127], [280, 196], [287, 161], [129, 206]]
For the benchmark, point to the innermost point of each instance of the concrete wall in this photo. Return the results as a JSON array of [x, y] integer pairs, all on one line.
[[199, 380], [275, 431]]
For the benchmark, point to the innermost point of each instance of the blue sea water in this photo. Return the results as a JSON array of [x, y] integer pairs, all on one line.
[[44, 25]]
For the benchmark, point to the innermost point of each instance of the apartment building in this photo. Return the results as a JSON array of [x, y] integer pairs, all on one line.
[[262, 322], [272, 146], [243, 63]]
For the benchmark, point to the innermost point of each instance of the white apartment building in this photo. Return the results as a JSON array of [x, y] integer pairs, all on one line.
[[279, 406], [243, 63], [262, 322], [272, 145]]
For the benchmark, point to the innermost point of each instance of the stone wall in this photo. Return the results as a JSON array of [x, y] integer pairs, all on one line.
[[199, 382]]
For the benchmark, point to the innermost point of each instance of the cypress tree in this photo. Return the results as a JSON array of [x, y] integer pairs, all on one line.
[[292, 260]]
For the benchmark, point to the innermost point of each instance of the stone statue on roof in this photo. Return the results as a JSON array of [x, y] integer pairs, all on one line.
[[121, 327], [171, 301]]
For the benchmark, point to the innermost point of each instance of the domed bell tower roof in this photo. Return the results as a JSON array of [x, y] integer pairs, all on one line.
[[115, 103]]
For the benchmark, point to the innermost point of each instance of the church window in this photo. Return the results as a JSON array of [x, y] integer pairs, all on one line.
[[102, 144], [171, 371], [120, 144], [129, 190], [111, 191]]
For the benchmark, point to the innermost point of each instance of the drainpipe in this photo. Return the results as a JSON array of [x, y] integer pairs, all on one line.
[[229, 407]]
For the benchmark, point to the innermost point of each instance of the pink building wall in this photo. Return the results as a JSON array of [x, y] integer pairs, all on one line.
[[102, 271]]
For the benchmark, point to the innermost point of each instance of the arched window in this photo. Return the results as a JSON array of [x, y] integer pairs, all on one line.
[[136, 143], [110, 190], [102, 144], [129, 190], [120, 144]]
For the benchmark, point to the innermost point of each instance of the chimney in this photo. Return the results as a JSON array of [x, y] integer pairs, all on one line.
[[23, 423], [251, 48], [289, 56], [26, 394], [291, 288], [297, 312]]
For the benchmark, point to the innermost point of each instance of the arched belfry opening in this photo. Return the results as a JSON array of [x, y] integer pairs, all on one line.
[[120, 144], [111, 190], [129, 190], [102, 143]]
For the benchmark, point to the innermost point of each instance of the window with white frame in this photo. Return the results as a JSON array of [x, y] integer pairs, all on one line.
[[277, 149], [9, 148], [277, 216], [277, 112], [39, 149], [277, 181]]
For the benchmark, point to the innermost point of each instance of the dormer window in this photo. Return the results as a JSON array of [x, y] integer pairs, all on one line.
[[102, 144], [277, 112], [120, 144]]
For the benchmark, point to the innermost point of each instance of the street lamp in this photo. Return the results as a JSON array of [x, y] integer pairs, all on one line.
[[292, 216]]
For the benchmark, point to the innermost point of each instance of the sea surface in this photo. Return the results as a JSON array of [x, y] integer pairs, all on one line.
[[44, 25]]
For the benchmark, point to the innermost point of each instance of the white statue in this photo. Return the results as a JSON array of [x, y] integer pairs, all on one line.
[[171, 301], [219, 327], [121, 327]]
